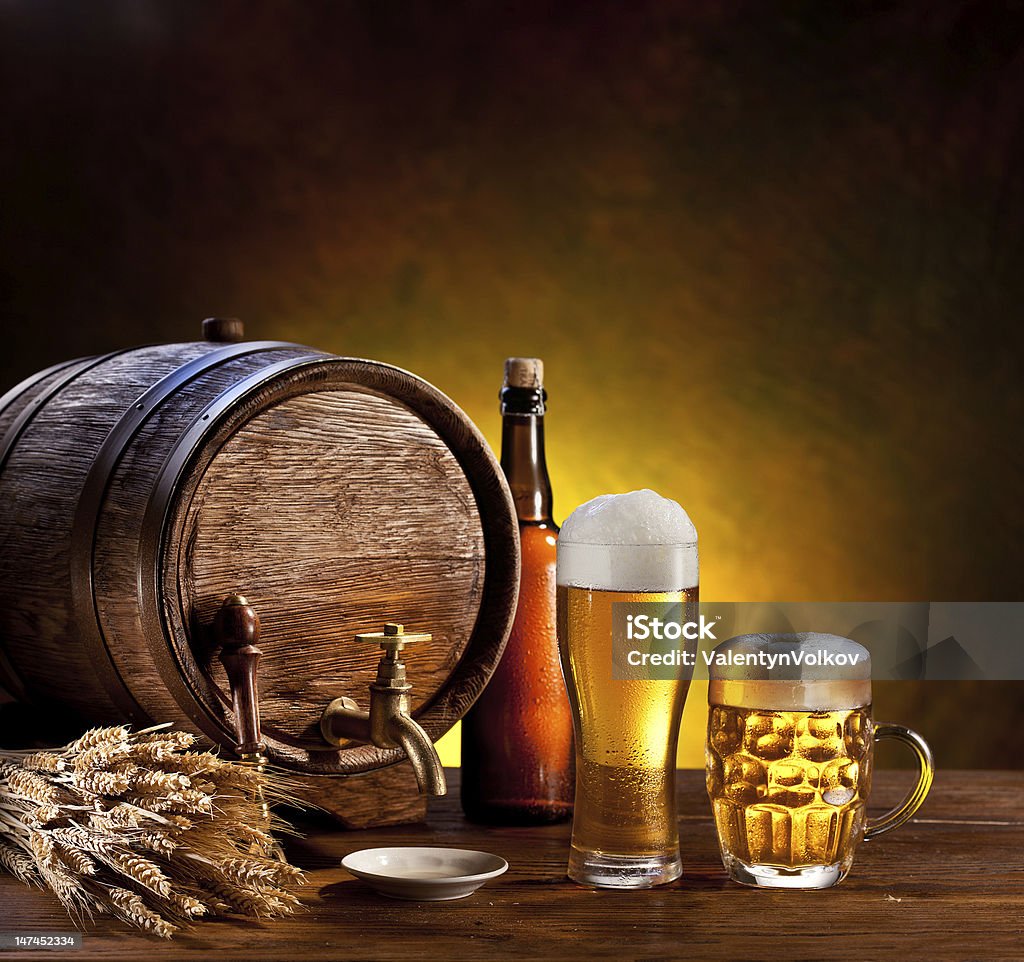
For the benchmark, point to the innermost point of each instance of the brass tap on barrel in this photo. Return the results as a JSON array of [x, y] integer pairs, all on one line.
[[388, 723]]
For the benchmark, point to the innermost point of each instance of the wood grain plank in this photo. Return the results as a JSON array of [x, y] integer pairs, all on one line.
[[948, 886]]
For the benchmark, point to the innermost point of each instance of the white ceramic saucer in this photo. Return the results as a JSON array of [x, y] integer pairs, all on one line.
[[424, 874]]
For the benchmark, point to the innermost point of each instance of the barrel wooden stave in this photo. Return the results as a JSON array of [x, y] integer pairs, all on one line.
[[32, 390]]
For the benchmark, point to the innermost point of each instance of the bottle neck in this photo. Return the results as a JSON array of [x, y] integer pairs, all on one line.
[[522, 458]]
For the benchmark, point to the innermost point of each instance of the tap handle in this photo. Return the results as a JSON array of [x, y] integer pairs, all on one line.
[[393, 638], [237, 630]]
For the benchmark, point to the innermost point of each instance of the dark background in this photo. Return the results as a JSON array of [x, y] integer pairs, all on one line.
[[771, 252]]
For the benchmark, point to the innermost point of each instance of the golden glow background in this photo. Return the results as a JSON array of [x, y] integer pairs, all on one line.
[[770, 253]]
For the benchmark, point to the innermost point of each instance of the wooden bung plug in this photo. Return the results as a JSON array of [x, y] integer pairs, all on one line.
[[223, 330]]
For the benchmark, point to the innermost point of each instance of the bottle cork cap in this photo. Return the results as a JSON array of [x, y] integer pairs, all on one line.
[[524, 372]]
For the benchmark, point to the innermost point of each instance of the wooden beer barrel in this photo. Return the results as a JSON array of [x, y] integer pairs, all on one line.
[[140, 488]]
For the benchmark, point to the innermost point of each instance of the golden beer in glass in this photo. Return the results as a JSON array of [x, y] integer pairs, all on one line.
[[624, 831], [789, 766]]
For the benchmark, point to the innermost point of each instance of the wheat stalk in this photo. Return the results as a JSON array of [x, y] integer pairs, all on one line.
[[137, 826]]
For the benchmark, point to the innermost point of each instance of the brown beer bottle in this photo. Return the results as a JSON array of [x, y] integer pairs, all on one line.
[[517, 750]]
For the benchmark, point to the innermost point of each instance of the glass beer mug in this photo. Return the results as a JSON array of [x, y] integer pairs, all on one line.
[[789, 752]]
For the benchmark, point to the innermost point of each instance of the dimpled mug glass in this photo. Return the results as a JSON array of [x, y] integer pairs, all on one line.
[[789, 759]]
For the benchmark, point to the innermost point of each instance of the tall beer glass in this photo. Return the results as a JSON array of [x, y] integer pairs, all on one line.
[[636, 547]]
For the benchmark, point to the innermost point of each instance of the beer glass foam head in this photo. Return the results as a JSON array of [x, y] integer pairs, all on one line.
[[806, 671], [638, 541]]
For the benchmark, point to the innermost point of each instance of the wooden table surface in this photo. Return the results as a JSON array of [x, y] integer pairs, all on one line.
[[947, 886]]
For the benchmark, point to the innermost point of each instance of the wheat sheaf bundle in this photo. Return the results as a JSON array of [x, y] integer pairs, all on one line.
[[138, 826]]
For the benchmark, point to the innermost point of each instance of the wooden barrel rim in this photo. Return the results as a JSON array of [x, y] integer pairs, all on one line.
[[156, 628], [169, 639], [90, 504]]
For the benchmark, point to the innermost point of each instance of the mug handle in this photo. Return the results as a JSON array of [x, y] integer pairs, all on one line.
[[926, 773]]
